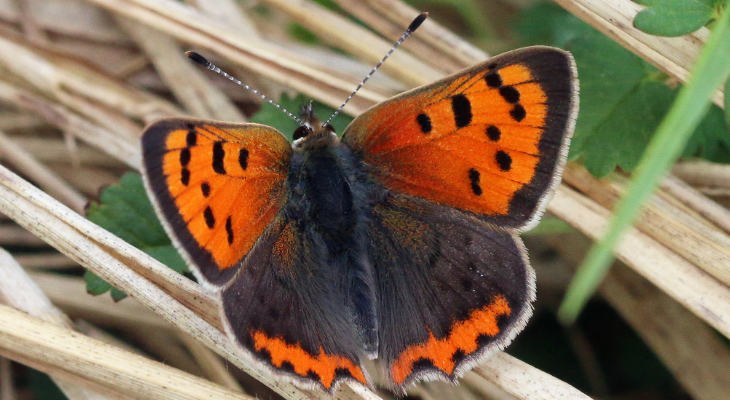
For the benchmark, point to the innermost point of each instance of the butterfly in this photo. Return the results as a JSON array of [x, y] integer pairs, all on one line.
[[398, 241]]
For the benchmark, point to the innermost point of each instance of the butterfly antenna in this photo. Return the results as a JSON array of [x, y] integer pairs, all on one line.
[[207, 64], [411, 28]]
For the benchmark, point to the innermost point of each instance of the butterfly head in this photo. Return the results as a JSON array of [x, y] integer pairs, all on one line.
[[313, 133]]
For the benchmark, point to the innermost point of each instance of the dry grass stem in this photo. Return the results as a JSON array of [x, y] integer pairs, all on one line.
[[698, 291], [123, 149], [344, 34], [18, 290], [54, 150], [189, 25], [11, 121], [103, 364], [437, 37], [47, 261], [71, 296], [525, 382], [666, 221], [703, 173], [691, 350], [48, 180], [185, 79], [214, 369], [82, 89], [486, 389], [673, 55], [713, 212], [688, 347], [388, 29]]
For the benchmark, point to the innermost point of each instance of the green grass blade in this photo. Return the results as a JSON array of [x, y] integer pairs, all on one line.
[[693, 101]]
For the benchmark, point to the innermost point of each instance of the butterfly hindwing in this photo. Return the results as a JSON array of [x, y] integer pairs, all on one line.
[[451, 290], [216, 187], [490, 140], [286, 306]]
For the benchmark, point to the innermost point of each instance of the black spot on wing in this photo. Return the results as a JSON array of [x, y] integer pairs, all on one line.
[[185, 176], [493, 79], [461, 106], [209, 218], [493, 133], [243, 158], [518, 113], [474, 178], [425, 122], [205, 188], [287, 366], [185, 157], [504, 160], [229, 230], [191, 138], [509, 94], [218, 155]]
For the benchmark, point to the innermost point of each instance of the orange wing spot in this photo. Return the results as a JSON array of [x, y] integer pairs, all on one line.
[[176, 139], [515, 74], [531, 93], [464, 336], [324, 365], [482, 156]]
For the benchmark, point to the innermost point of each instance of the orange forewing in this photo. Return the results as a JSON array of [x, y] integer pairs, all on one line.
[[473, 140], [218, 185]]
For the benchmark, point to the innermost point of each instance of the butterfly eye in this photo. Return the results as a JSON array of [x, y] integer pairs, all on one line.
[[328, 127], [301, 132]]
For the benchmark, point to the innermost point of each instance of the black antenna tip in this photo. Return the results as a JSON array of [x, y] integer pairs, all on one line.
[[198, 58], [418, 21]]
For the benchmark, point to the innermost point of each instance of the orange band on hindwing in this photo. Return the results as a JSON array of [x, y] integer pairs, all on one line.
[[324, 368], [462, 341]]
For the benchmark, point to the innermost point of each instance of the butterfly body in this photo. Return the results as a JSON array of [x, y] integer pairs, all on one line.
[[398, 241]]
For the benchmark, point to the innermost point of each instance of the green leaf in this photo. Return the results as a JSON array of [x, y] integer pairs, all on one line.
[[622, 137], [608, 73], [711, 139], [117, 295], [96, 285], [549, 24], [302, 34], [272, 116], [126, 211], [692, 103], [674, 17]]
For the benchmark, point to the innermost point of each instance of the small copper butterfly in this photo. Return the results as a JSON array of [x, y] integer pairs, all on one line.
[[398, 241]]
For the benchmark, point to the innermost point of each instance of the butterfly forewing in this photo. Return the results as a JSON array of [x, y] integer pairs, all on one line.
[[217, 186], [490, 140]]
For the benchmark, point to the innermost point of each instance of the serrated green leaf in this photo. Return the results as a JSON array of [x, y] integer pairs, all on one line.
[[125, 210], [608, 74], [621, 138], [96, 285], [674, 17], [272, 116]]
